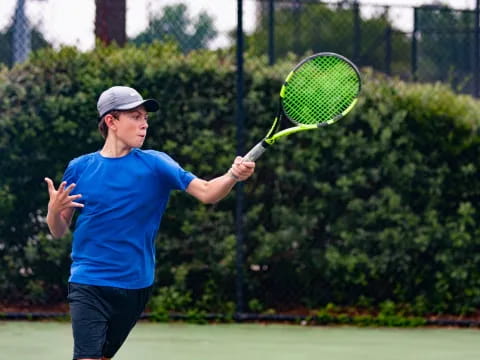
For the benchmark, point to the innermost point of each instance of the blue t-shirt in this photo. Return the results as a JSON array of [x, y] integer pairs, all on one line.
[[124, 198]]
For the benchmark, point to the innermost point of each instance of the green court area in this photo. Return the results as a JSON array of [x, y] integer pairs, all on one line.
[[52, 340]]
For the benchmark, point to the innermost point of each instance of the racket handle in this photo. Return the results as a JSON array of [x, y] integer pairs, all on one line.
[[255, 152]]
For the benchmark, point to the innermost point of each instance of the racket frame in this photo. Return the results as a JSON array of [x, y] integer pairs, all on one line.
[[272, 135]]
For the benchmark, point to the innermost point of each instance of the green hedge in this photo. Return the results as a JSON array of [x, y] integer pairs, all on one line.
[[381, 207]]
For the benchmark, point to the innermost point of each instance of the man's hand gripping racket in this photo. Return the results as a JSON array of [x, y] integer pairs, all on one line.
[[319, 91]]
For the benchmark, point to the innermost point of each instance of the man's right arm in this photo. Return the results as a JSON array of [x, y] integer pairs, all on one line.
[[61, 207], [59, 222]]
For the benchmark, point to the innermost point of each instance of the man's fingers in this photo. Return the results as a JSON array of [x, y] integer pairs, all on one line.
[[61, 188], [239, 161], [242, 169], [69, 188], [245, 166], [50, 186], [69, 202], [75, 204], [74, 197], [249, 164]]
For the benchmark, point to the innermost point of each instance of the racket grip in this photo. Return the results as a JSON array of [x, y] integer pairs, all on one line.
[[255, 152]]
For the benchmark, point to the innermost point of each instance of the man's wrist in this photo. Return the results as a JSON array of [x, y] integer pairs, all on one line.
[[232, 175]]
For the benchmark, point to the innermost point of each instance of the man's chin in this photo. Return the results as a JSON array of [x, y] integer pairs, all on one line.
[[138, 144]]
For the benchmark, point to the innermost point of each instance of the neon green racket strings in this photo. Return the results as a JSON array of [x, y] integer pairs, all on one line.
[[320, 89]]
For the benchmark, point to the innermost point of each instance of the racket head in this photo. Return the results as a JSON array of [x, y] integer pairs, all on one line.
[[320, 90]]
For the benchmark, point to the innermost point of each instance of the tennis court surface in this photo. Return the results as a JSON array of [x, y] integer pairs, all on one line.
[[52, 340]]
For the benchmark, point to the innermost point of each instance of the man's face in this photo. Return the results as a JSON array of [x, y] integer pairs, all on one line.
[[132, 126]]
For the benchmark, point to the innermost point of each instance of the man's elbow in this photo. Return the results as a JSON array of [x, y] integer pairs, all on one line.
[[57, 235], [208, 200], [56, 232]]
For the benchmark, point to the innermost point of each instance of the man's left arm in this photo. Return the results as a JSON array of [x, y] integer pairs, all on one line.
[[210, 192]]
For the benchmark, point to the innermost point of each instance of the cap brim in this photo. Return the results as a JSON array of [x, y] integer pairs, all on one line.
[[151, 105]]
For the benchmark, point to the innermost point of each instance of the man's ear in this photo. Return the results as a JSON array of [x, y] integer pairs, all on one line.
[[110, 121]]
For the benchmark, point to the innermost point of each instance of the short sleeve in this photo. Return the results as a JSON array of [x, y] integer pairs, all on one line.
[[184, 178], [75, 169], [70, 176], [177, 177]]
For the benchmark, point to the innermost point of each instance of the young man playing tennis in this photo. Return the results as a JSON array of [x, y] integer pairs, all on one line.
[[121, 193]]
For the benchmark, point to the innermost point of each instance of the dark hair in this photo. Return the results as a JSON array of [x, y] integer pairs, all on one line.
[[102, 126]]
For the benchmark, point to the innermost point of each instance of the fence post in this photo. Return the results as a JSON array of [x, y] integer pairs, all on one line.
[[271, 32], [388, 50], [21, 34], [476, 56], [240, 117], [388, 44], [297, 38], [357, 36], [414, 44]]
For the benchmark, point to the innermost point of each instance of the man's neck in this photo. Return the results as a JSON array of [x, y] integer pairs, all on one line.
[[114, 148]]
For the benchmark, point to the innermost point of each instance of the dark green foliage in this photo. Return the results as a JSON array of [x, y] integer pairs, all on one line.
[[388, 315], [380, 208]]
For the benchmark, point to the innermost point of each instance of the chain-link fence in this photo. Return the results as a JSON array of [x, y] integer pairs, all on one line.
[[424, 43]]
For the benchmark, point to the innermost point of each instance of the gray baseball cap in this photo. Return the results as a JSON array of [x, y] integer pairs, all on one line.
[[123, 98]]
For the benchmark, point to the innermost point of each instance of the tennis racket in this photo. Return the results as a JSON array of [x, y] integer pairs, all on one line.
[[319, 91]]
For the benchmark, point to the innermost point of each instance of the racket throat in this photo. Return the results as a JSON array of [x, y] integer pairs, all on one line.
[[273, 129]]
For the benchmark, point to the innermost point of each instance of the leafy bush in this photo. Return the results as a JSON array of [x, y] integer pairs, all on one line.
[[381, 206]]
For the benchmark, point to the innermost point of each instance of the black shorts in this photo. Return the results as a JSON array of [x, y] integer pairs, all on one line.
[[102, 317]]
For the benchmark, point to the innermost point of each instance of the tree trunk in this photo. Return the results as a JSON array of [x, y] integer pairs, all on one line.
[[110, 21]]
